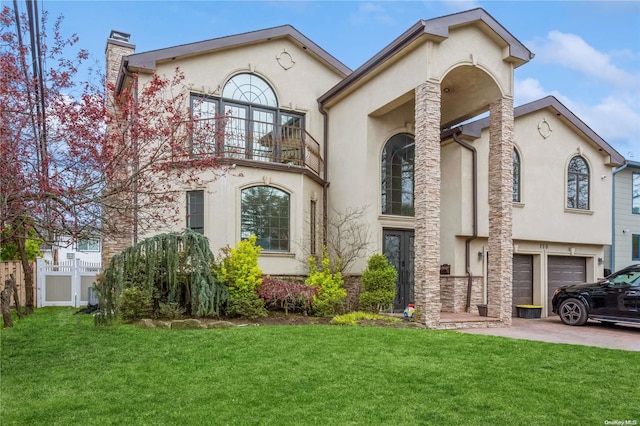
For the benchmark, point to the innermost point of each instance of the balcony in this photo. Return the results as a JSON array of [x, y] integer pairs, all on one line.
[[253, 142]]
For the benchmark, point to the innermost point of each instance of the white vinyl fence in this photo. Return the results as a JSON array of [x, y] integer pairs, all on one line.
[[67, 283]]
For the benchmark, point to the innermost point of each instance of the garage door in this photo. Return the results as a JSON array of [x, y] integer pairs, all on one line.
[[564, 270], [522, 280]]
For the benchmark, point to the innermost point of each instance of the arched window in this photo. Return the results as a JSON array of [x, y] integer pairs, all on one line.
[[251, 89], [398, 175], [246, 123], [516, 176], [264, 211], [578, 184]]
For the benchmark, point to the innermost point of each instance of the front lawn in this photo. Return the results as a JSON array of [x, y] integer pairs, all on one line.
[[58, 368]]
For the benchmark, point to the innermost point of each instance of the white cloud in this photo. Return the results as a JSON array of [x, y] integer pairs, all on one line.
[[572, 52], [613, 118], [528, 90], [371, 13]]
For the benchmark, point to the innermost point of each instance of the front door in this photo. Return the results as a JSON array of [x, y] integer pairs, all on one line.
[[398, 247]]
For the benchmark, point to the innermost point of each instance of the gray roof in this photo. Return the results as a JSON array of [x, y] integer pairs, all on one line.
[[434, 29], [474, 129], [148, 60]]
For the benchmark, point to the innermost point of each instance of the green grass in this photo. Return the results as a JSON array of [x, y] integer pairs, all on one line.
[[58, 369]]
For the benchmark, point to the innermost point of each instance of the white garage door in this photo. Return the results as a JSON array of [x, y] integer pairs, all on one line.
[[564, 270]]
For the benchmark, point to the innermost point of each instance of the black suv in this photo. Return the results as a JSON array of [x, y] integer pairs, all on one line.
[[615, 298]]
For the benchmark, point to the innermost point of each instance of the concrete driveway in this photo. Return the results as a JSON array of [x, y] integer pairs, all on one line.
[[552, 330]]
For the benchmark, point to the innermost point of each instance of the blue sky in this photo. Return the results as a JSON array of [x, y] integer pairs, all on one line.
[[587, 53]]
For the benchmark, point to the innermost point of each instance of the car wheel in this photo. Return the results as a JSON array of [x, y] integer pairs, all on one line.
[[573, 312]]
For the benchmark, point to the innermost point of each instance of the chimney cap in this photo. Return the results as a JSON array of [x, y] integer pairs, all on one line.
[[120, 36]]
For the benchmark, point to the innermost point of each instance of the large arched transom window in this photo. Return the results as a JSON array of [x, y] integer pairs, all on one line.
[[578, 184], [516, 176], [398, 175], [246, 123], [251, 89], [264, 211]]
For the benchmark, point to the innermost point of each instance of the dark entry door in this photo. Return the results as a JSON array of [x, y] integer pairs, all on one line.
[[398, 247]]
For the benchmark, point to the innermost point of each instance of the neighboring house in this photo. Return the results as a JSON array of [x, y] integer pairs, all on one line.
[[88, 250], [625, 232], [311, 137]]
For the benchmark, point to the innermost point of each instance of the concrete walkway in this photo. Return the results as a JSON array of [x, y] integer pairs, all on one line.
[[552, 330]]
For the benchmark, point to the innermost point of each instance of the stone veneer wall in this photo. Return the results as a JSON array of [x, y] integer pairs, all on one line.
[[500, 209], [453, 293], [427, 203], [115, 242]]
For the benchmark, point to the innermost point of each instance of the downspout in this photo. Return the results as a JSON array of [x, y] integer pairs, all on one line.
[[467, 243], [325, 174], [612, 249]]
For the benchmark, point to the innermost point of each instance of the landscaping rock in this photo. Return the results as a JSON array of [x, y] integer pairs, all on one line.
[[220, 324], [187, 324], [163, 324], [148, 323]]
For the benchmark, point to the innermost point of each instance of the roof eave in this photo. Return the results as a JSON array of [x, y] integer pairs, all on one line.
[[436, 29], [474, 129], [147, 61]]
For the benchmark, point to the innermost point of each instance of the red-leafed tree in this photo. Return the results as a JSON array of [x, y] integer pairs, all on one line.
[[77, 161]]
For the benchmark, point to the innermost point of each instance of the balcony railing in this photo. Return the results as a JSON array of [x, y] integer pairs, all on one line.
[[239, 138]]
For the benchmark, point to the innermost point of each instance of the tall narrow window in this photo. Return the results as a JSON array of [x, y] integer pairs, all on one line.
[[516, 176], [635, 247], [312, 228], [203, 135], [264, 211], [195, 211], [635, 193], [578, 184], [398, 175]]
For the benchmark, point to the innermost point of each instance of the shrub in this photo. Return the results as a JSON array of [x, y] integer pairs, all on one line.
[[287, 295], [356, 318], [134, 304], [170, 311], [330, 285], [239, 269], [378, 282], [171, 268]]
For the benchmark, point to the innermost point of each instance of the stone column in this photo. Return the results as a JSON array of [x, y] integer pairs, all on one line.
[[427, 203], [500, 209]]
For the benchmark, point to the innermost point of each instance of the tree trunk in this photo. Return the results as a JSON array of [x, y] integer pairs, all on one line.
[[5, 302], [26, 268], [16, 296]]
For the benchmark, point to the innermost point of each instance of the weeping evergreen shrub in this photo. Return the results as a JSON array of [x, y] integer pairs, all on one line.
[[172, 268]]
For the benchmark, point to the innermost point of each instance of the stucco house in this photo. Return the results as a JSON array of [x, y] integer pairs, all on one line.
[[625, 231], [497, 210]]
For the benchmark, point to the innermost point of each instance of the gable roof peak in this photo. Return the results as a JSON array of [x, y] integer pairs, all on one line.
[[148, 60]]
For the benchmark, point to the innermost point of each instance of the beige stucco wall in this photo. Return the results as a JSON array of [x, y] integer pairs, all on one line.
[[381, 105], [297, 89], [542, 225]]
